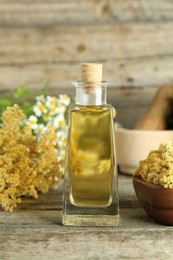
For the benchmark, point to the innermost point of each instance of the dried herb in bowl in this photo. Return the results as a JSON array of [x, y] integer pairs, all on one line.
[[158, 167]]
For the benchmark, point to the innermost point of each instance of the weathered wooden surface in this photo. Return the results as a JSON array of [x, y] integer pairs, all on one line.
[[43, 12], [34, 231], [46, 40]]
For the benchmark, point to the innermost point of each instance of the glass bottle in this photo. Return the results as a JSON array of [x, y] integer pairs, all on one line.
[[90, 179]]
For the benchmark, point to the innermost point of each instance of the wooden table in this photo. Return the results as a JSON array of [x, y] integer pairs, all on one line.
[[34, 231]]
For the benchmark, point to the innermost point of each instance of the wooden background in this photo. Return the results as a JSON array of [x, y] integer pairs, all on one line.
[[45, 40]]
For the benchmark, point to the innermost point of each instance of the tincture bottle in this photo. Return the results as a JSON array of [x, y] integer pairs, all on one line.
[[90, 179]]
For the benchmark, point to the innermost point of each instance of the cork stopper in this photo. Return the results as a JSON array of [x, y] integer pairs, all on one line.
[[91, 73]]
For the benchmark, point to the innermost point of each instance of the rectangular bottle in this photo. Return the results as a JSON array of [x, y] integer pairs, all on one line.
[[90, 181]]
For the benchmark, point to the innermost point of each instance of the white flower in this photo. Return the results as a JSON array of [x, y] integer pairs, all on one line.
[[61, 154], [32, 122], [40, 98], [57, 110], [64, 99], [61, 135], [61, 144], [39, 109], [54, 105], [61, 138], [51, 102], [47, 116], [59, 122], [53, 110], [60, 108], [40, 129]]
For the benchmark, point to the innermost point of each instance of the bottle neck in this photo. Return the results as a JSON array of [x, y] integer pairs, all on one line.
[[88, 94]]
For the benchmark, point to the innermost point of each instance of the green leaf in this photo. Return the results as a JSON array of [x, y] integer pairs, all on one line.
[[21, 91], [5, 103]]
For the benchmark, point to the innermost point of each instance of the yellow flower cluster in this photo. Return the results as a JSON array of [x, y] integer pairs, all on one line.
[[28, 165], [158, 167]]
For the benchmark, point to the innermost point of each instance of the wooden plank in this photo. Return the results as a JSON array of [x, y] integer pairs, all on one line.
[[144, 72], [43, 242], [37, 232], [139, 54], [116, 42], [41, 12]]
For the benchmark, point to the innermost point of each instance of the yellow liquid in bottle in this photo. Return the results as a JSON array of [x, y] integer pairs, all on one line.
[[91, 156]]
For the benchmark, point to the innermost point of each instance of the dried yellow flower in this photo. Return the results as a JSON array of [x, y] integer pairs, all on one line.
[[158, 167], [27, 165]]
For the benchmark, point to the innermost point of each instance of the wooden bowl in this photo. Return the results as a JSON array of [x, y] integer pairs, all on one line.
[[156, 200]]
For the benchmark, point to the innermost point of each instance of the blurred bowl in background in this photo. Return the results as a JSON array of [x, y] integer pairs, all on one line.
[[133, 146]]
